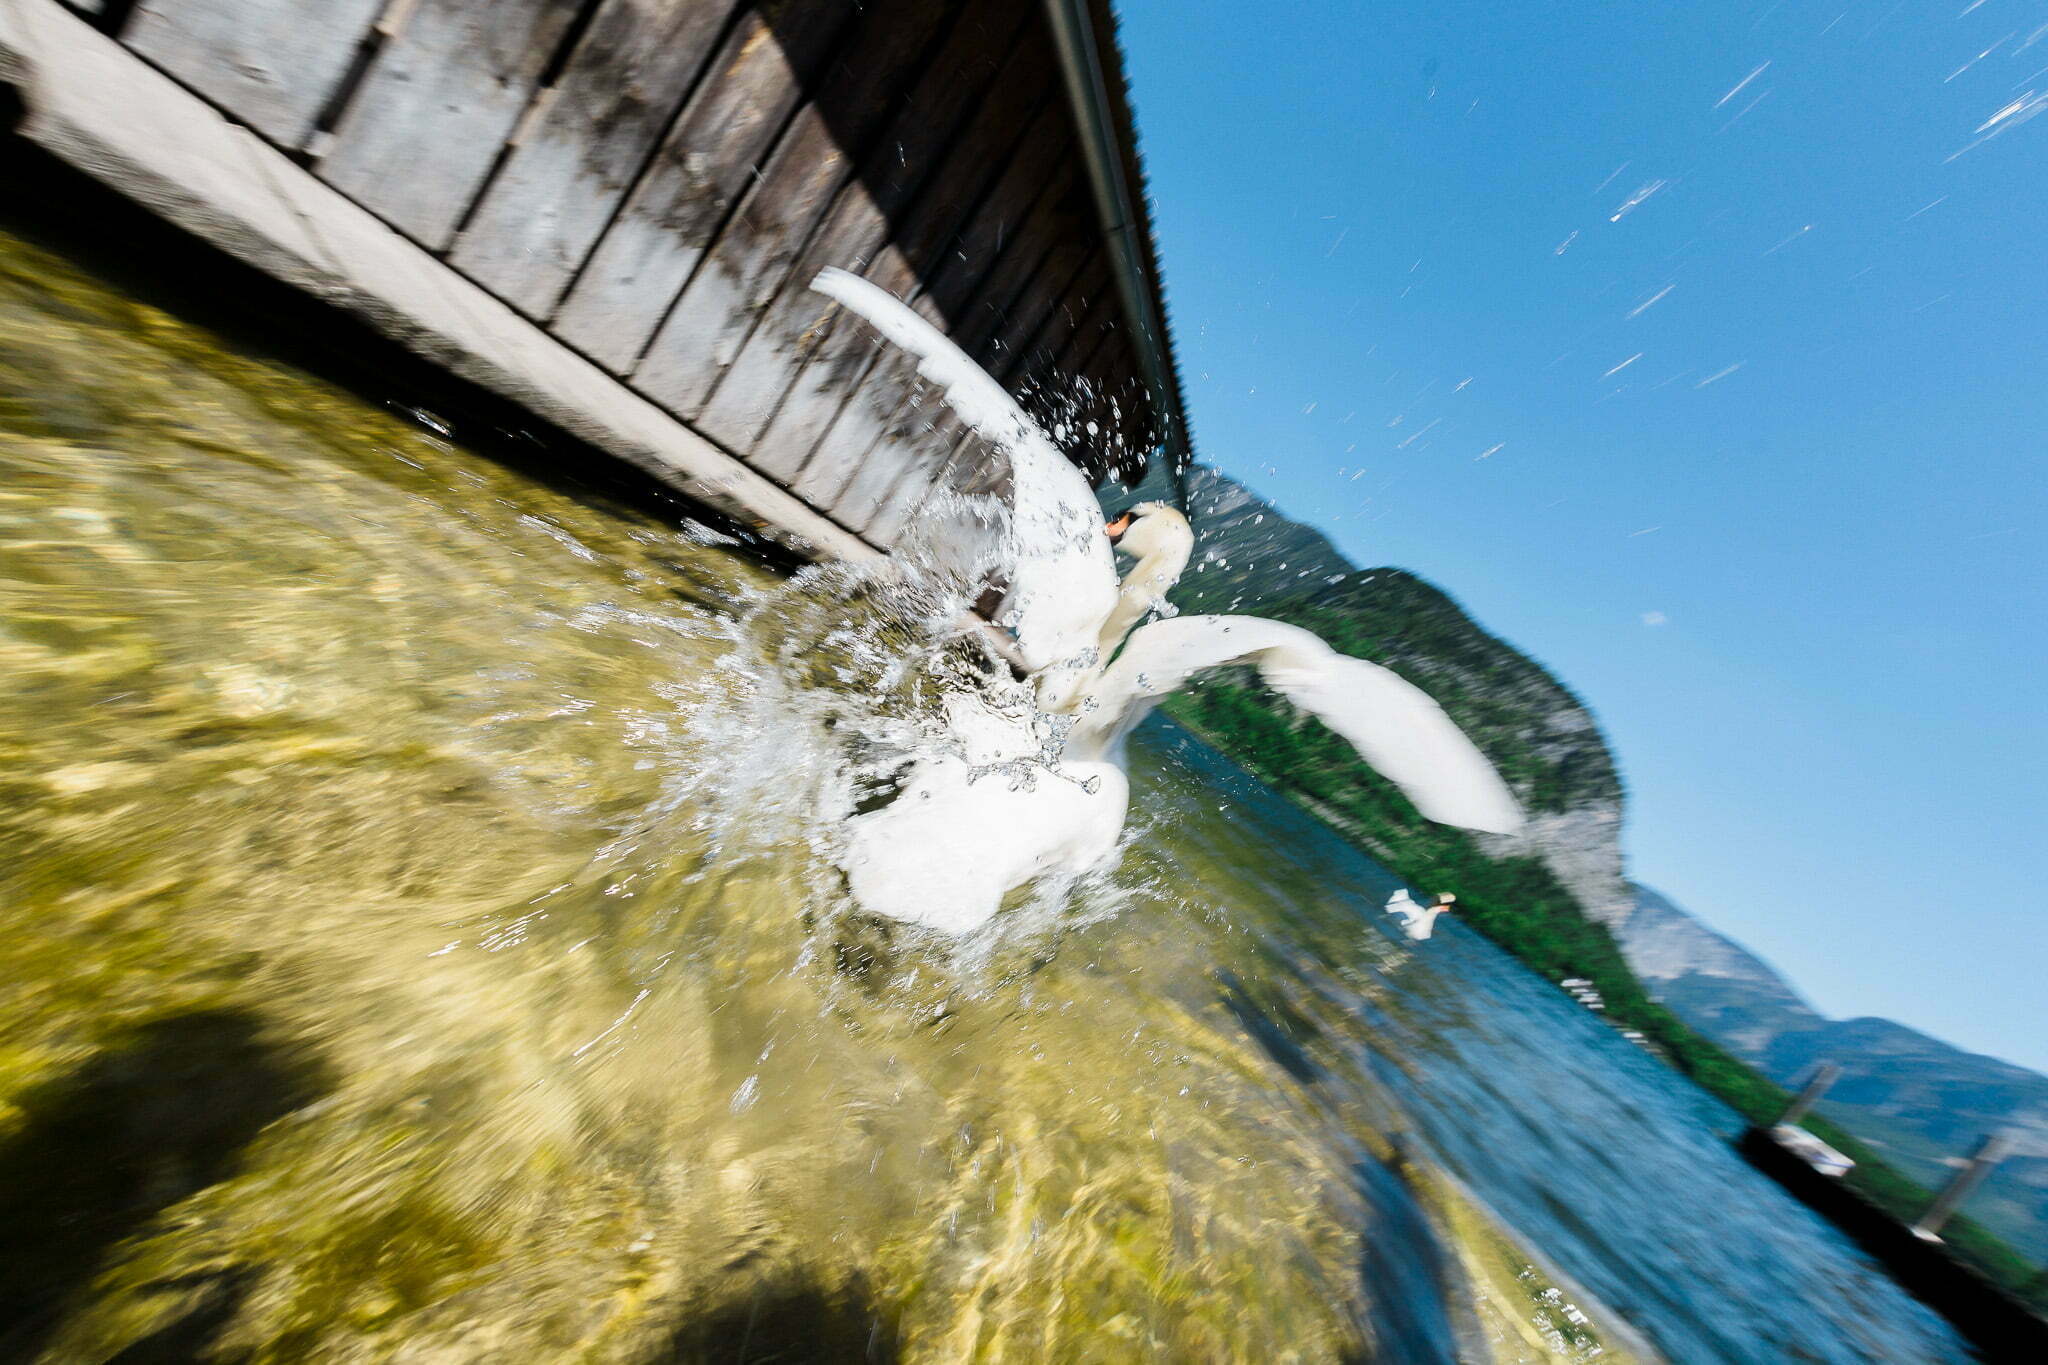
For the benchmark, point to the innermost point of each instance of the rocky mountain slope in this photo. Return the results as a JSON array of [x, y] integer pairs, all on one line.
[[1919, 1101], [1246, 551]]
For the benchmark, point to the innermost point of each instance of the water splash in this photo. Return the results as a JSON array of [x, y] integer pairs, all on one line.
[[1742, 84], [1636, 200]]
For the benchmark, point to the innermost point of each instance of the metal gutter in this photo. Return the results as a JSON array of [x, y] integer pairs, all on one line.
[[1103, 147]]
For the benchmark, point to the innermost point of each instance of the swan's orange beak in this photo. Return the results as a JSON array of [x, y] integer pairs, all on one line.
[[1115, 529]]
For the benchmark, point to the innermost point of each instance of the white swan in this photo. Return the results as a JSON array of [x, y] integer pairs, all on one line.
[[1417, 921], [971, 825]]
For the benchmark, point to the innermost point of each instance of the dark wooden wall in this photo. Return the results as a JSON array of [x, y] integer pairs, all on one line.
[[656, 182]]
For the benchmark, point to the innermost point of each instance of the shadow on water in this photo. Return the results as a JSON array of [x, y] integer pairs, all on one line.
[[1281, 1033], [192, 1337], [793, 1322], [1404, 1264], [1406, 1267], [158, 1115]]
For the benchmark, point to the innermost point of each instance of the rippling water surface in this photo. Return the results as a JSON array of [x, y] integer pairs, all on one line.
[[419, 942]]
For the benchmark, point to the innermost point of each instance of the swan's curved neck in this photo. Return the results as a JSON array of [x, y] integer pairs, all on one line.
[[1143, 589]]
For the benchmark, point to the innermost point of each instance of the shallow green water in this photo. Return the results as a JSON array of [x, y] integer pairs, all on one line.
[[369, 780], [418, 943]]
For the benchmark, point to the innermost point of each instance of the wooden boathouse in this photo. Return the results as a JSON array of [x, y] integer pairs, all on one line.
[[608, 212]]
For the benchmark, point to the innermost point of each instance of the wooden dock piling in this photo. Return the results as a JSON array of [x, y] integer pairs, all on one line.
[[1817, 1085]]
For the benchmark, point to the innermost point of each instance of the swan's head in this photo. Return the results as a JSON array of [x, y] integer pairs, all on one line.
[[1159, 538], [1153, 529]]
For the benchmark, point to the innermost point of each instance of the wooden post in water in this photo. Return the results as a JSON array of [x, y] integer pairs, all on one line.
[[1825, 1075], [1989, 1153]]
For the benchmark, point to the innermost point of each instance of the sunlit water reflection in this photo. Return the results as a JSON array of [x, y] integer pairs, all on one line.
[[420, 940]]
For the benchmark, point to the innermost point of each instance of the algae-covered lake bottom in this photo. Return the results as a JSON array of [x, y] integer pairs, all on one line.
[[418, 941]]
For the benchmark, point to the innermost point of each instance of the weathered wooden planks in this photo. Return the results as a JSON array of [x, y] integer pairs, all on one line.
[[1005, 230], [1044, 310], [270, 63], [1027, 263], [756, 407], [912, 464], [751, 260], [1070, 390], [580, 149], [1117, 402], [1048, 370], [851, 385], [707, 160], [1070, 399], [655, 182], [1031, 265], [433, 112]]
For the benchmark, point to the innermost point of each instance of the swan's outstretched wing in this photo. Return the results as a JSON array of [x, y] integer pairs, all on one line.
[[1062, 575], [1395, 726], [981, 402], [1403, 904]]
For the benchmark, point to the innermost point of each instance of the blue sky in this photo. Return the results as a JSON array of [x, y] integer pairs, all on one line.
[[1779, 525]]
